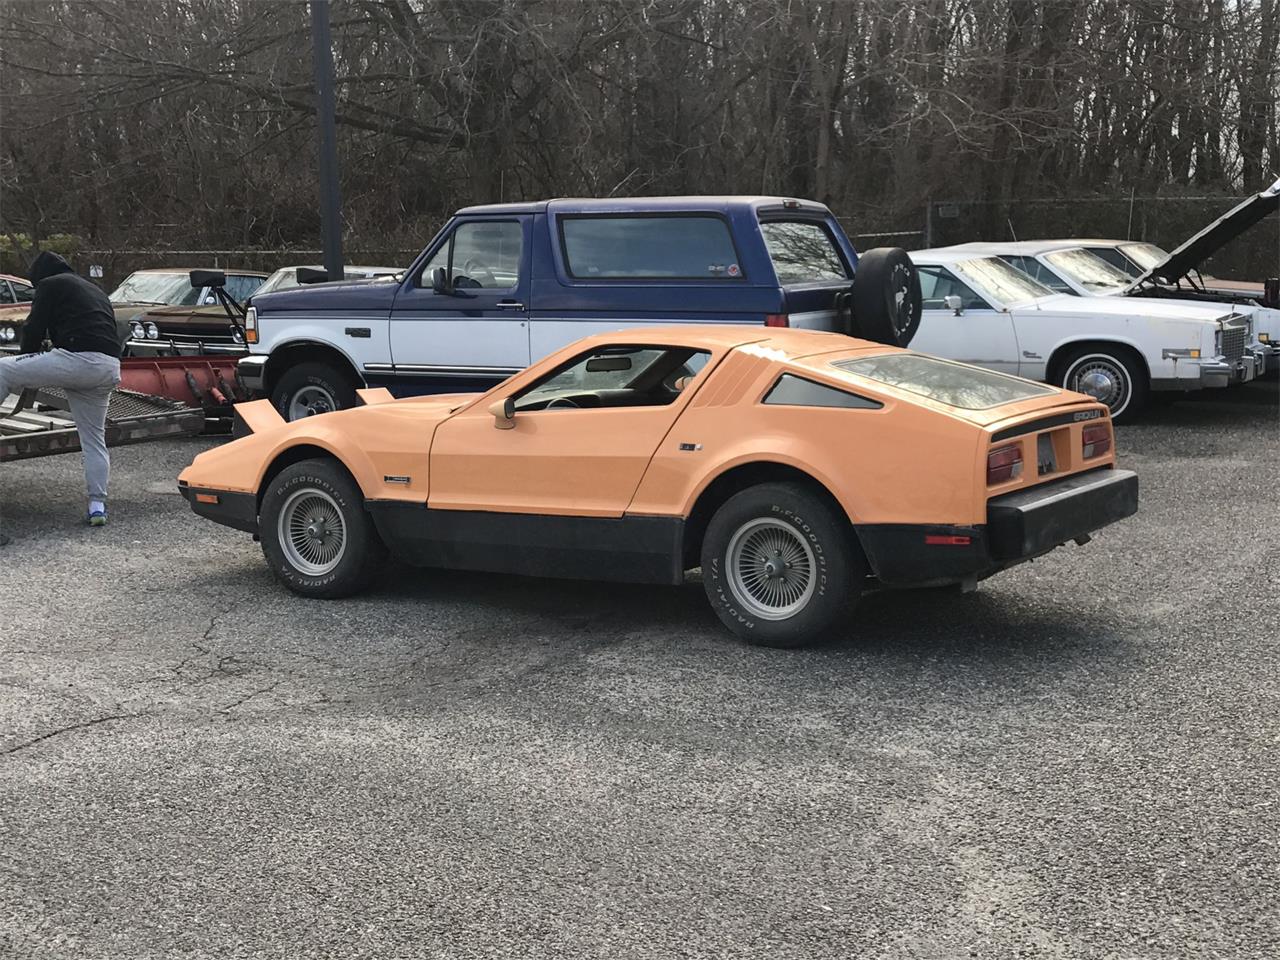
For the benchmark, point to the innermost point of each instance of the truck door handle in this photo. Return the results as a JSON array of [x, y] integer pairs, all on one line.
[[509, 305]]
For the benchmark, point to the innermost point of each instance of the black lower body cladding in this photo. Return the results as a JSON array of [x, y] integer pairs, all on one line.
[[231, 509], [1019, 526]]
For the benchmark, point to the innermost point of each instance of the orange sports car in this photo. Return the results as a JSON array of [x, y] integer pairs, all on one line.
[[797, 469]]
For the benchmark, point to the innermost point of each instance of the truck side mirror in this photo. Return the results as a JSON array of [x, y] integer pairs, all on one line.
[[440, 281], [504, 413], [954, 304]]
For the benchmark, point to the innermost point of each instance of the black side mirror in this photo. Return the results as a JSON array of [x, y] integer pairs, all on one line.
[[311, 275], [440, 281], [208, 278]]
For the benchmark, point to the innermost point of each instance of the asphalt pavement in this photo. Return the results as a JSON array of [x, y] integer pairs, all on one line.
[[1078, 760]]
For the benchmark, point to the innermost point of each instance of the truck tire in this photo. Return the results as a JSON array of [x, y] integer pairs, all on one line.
[[316, 534], [1111, 374], [779, 566], [311, 388], [886, 298]]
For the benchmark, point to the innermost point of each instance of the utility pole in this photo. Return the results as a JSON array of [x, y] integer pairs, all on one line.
[[330, 191]]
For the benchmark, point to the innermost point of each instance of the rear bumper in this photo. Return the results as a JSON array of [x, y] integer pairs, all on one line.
[[229, 508], [1020, 526]]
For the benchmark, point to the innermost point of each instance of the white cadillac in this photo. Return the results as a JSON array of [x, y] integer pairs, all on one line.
[[981, 310]]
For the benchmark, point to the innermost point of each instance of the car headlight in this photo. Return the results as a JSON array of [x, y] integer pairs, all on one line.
[[136, 331], [237, 336], [8, 334], [153, 332]]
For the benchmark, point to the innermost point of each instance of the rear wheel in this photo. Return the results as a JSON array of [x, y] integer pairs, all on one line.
[[779, 565], [316, 534], [311, 388], [886, 297], [1111, 375]]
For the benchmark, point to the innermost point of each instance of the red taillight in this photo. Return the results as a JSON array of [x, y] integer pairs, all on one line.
[[946, 540], [1095, 440], [777, 320], [1004, 464]]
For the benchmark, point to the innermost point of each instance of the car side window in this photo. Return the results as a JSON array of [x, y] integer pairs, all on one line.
[[23, 293], [242, 288], [1038, 271], [617, 376], [6, 292], [479, 255], [802, 251], [938, 283]]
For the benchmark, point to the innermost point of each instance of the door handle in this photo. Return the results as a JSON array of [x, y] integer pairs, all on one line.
[[509, 305]]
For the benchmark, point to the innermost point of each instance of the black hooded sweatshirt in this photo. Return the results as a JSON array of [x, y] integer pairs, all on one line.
[[69, 310]]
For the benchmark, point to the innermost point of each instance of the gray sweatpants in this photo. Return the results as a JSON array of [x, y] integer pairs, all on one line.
[[87, 379]]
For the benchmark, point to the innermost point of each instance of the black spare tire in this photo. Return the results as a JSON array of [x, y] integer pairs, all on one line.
[[886, 297]]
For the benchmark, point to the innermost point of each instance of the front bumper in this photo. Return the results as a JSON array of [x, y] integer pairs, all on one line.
[[1020, 526], [253, 373], [170, 347], [1215, 373], [227, 507]]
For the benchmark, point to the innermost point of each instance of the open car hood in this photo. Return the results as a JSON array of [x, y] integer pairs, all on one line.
[[1212, 238]]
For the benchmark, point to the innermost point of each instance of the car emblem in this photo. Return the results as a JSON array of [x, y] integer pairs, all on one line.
[[1087, 415]]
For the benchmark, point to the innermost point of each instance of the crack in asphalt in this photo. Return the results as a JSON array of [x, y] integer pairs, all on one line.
[[249, 696], [68, 729]]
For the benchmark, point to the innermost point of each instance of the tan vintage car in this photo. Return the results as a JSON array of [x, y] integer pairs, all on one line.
[[798, 469]]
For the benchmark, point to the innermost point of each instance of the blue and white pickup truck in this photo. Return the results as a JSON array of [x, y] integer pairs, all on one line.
[[502, 286]]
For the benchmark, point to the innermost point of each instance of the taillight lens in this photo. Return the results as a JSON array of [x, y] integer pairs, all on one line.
[[251, 325], [1004, 464], [777, 320], [1095, 440]]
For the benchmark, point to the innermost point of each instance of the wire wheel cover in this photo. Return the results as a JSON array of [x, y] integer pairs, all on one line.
[[312, 532], [771, 569], [1101, 378]]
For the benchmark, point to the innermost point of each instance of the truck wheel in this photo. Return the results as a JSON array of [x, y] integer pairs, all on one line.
[[886, 297], [310, 388], [779, 565], [1109, 374], [316, 534]]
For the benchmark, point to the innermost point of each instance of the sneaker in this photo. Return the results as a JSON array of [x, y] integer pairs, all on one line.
[[98, 518]]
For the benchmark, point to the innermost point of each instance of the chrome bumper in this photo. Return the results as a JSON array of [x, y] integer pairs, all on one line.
[[1217, 372], [183, 348], [252, 371]]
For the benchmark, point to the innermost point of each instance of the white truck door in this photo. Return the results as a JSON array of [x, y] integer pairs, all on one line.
[[475, 325]]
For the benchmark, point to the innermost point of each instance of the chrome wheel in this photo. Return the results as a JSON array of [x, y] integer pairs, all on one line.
[[311, 532], [1102, 377], [311, 400], [771, 569]]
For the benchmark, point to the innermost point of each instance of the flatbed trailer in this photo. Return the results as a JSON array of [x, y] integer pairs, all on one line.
[[39, 424]]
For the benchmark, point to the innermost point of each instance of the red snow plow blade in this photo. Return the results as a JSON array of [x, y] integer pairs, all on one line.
[[210, 383]]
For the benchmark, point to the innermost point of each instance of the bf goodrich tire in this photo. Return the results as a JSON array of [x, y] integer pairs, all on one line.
[[886, 298], [307, 389], [316, 534], [779, 565], [1110, 374]]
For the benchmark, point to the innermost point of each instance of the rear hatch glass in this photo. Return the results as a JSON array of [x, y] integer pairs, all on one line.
[[803, 251], [955, 384]]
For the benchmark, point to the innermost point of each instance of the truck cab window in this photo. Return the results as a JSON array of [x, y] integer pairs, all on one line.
[[485, 256]]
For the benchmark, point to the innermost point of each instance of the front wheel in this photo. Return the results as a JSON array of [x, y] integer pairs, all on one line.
[[311, 388], [316, 534], [1110, 375], [779, 565]]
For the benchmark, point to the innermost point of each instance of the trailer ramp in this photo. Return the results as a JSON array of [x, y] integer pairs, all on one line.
[[39, 424]]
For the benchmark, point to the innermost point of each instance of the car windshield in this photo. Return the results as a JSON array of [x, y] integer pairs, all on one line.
[[1145, 255], [1091, 272], [1002, 283], [154, 288], [955, 384]]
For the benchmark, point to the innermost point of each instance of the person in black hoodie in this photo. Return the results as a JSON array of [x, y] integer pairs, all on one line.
[[84, 362]]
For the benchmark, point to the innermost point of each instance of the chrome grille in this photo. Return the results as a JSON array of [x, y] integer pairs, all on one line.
[[1233, 343]]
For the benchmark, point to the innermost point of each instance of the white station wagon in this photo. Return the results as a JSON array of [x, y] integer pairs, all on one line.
[[981, 310]]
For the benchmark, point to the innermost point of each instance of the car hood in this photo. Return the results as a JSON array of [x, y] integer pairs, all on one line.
[[372, 294], [1212, 238], [1128, 307]]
